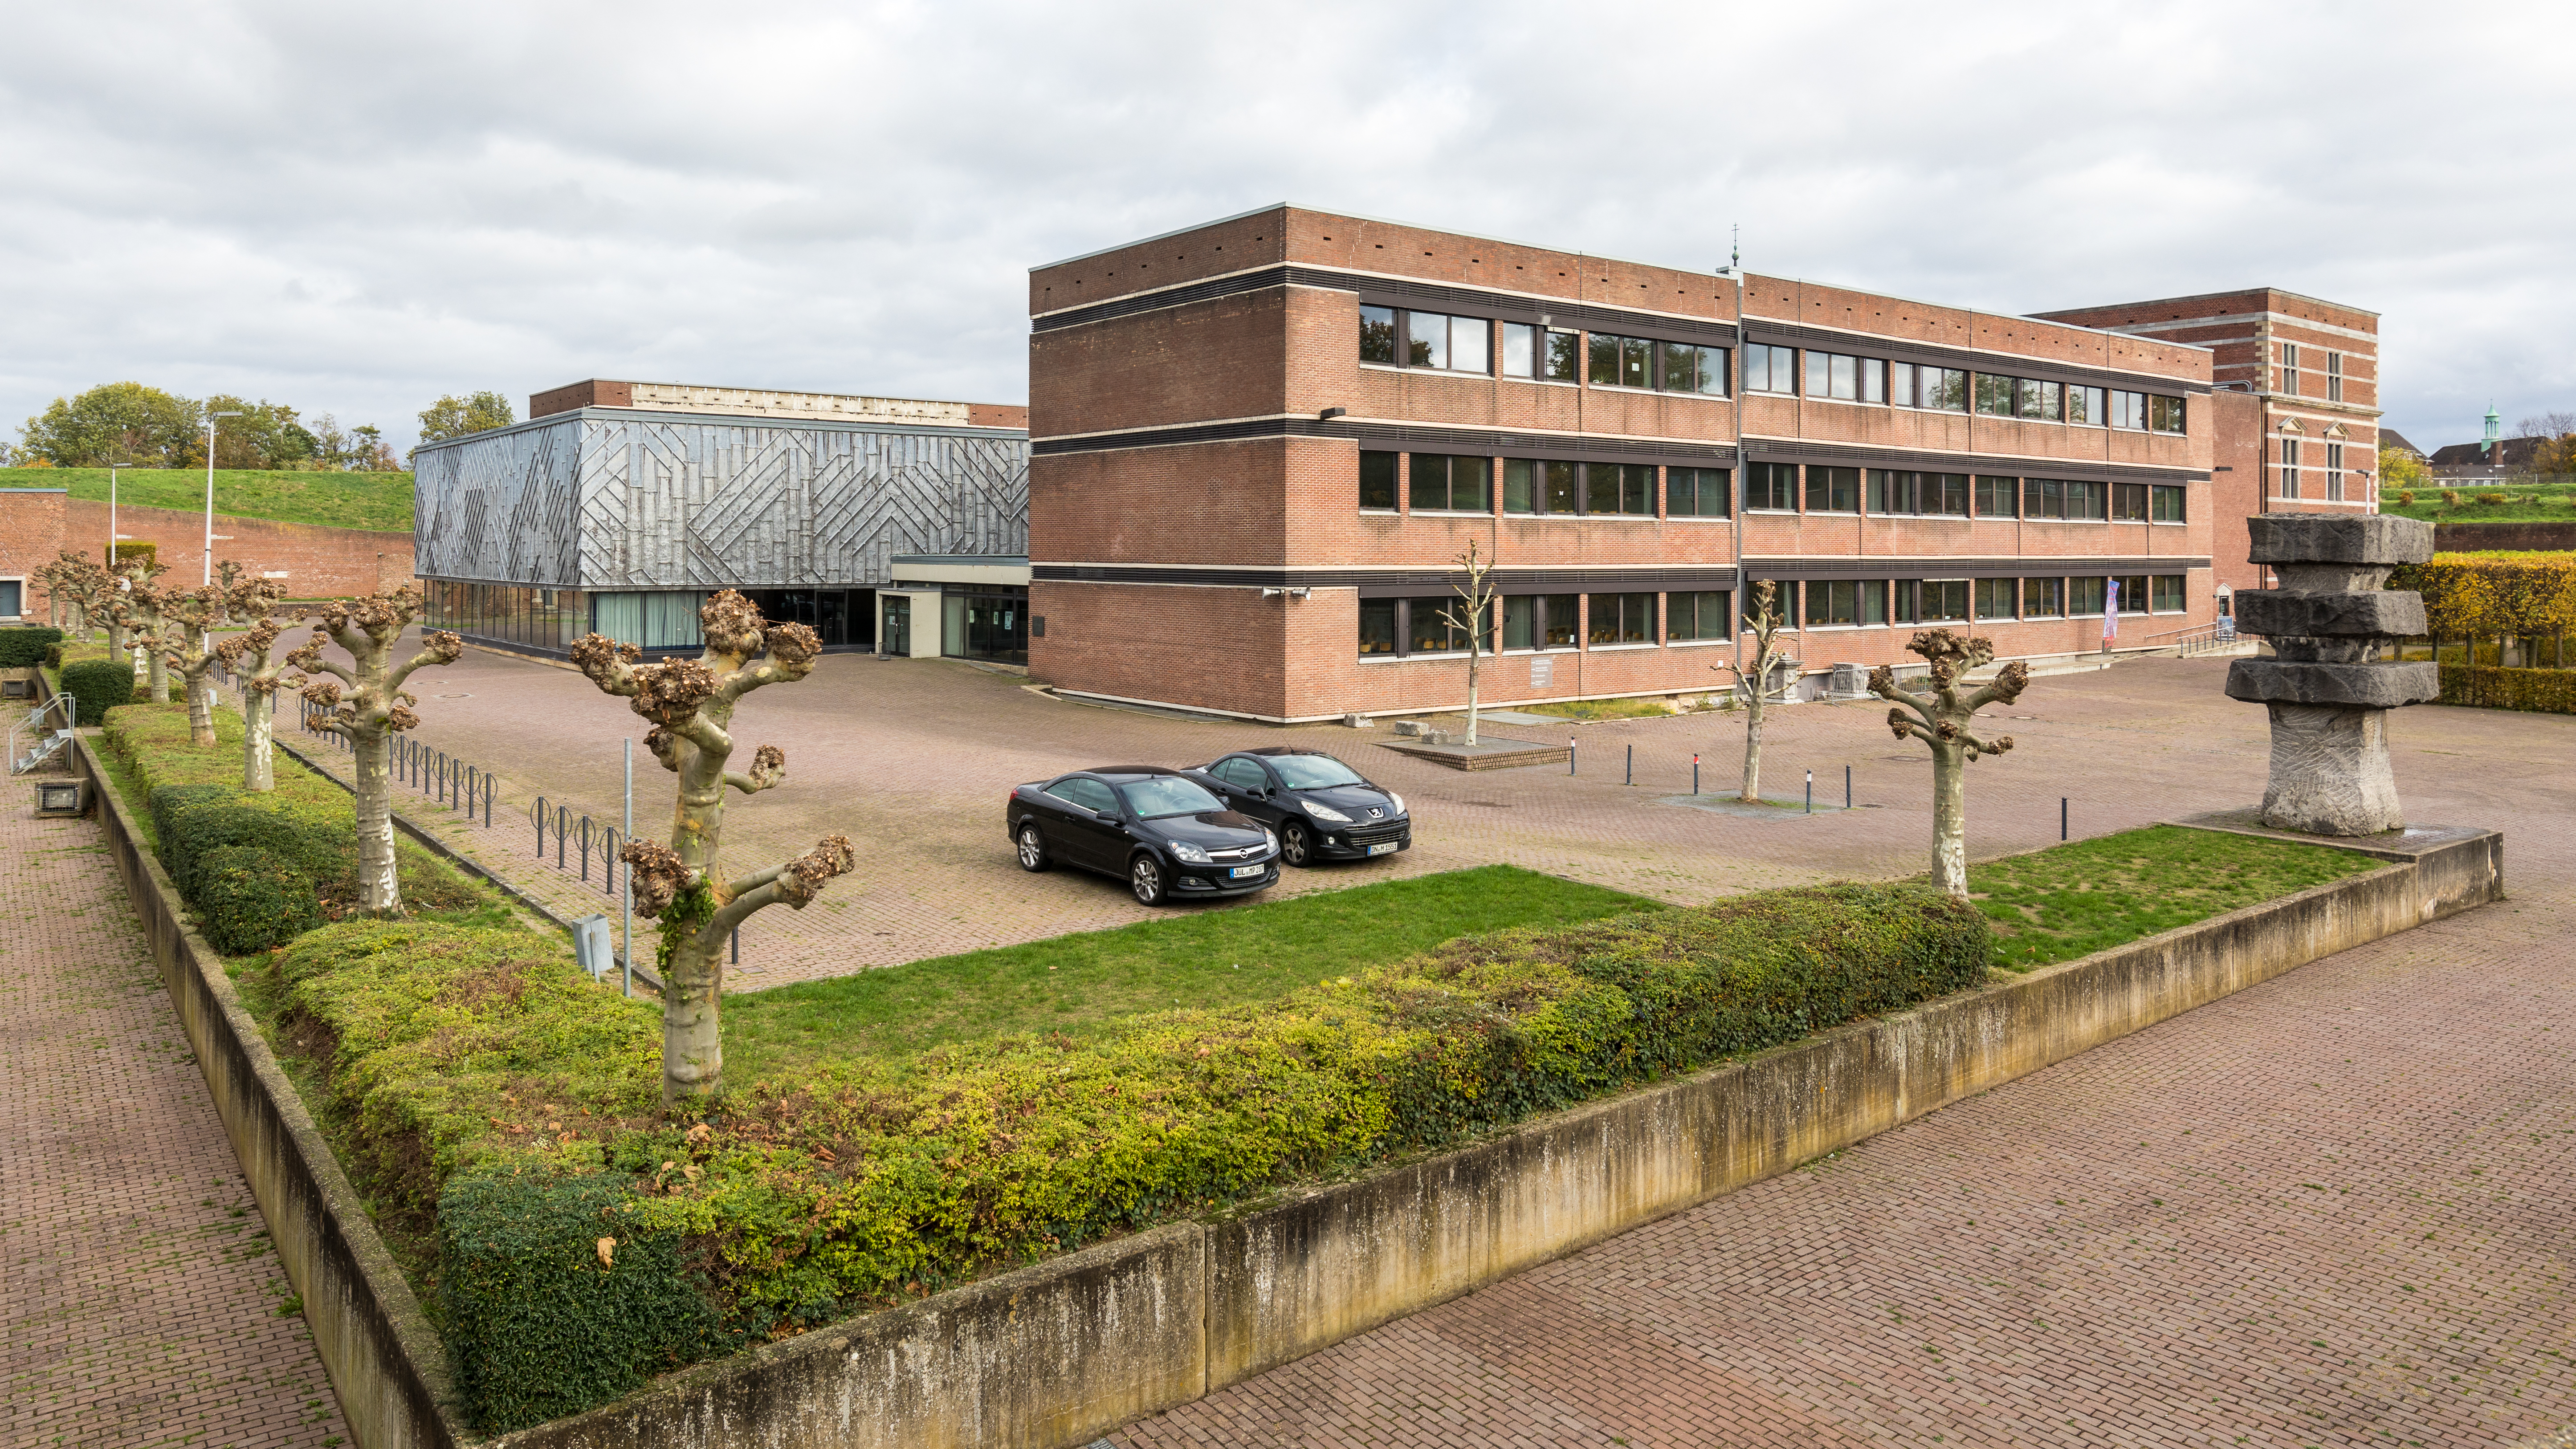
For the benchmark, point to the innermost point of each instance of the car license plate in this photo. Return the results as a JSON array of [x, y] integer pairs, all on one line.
[[1386, 849], [1247, 872]]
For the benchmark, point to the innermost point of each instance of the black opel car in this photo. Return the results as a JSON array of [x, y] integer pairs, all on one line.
[[1163, 833], [1322, 808]]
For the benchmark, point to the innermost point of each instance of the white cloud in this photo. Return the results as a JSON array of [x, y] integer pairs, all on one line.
[[358, 208]]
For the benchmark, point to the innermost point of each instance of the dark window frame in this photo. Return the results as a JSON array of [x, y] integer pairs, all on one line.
[[1771, 482], [1632, 618], [1446, 467], [1692, 486]]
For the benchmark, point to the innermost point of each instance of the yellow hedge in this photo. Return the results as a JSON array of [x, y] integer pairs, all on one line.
[[2484, 594], [2544, 691]]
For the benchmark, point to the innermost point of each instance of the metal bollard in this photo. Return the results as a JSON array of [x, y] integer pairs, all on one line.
[[1632, 764], [539, 811], [1569, 754], [1847, 787], [1811, 792], [2061, 817], [1694, 774]]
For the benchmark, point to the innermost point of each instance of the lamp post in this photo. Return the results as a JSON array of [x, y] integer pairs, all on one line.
[[209, 559]]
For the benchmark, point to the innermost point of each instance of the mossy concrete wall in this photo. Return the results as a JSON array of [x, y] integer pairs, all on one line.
[[1056, 1354]]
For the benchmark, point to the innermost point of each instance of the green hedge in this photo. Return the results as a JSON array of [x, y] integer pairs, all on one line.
[[2478, 686], [24, 647], [249, 899], [100, 685], [193, 819], [865, 1182]]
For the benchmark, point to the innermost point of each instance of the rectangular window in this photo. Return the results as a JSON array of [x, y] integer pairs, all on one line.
[[2042, 401], [2084, 596], [1619, 488], [1681, 367], [2128, 409], [1564, 356], [1622, 361], [1561, 488], [1622, 619], [1832, 602], [2164, 503], [1432, 634], [2289, 467], [1942, 389], [2085, 405], [1453, 484], [2334, 377], [1998, 497], [1893, 492], [2128, 502], [2043, 598], [2086, 500], [1704, 615], [1953, 489], [2334, 472], [1906, 601], [1900, 384], [1771, 485], [1873, 380], [2043, 498], [1834, 375], [1520, 621], [1770, 369], [1532, 486], [2290, 367], [1377, 336], [2133, 593], [1520, 350], [1377, 626], [1377, 480], [1941, 601], [2168, 593], [1995, 598], [1558, 621], [1695, 492], [1832, 490], [1995, 396], [2164, 414], [1427, 334]]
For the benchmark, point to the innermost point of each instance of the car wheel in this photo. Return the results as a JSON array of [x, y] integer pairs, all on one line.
[[1145, 877], [1033, 851], [1296, 845]]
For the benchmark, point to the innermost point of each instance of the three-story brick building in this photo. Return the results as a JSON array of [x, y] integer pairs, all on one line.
[[1260, 446]]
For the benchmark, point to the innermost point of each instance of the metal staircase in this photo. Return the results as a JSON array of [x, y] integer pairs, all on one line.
[[46, 744]]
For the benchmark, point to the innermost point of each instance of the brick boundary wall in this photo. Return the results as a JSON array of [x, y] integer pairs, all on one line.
[[318, 562], [2494, 537], [1049, 1356], [31, 534]]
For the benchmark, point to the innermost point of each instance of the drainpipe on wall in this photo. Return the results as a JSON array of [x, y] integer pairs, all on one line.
[[1735, 512]]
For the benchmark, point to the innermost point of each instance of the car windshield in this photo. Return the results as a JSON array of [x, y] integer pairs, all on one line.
[[1168, 795], [1314, 772]]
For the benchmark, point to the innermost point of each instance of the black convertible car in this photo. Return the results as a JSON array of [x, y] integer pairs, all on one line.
[[1322, 808], [1162, 832]]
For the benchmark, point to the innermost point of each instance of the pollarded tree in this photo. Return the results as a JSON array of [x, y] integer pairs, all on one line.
[[1766, 624], [252, 659], [190, 649], [1473, 616], [1940, 717], [76, 587], [373, 709], [683, 884]]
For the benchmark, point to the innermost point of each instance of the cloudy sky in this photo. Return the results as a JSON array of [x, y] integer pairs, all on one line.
[[356, 208]]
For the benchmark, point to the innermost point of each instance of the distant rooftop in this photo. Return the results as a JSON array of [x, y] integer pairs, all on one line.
[[684, 397]]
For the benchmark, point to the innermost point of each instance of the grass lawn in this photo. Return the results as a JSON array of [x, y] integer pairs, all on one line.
[[2073, 900], [380, 501], [2523, 505], [1590, 709], [1081, 982]]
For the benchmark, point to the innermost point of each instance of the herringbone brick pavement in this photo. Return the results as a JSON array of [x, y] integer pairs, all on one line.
[[140, 1302]]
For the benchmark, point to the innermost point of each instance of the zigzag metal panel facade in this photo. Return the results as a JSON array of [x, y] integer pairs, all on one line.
[[604, 499]]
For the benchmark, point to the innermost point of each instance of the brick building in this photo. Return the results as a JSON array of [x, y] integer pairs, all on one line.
[[1259, 445], [31, 535], [2296, 411]]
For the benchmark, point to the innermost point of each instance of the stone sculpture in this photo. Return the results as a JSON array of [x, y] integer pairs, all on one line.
[[2329, 701]]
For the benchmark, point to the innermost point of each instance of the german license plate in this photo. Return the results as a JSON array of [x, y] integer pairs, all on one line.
[[1247, 872], [1387, 849]]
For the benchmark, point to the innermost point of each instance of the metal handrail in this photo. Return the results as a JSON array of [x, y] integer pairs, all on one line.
[[36, 717]]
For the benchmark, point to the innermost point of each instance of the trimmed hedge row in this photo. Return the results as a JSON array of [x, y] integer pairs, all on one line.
[[489, 1079], [25, 646], [100, 685], [2479, 686]]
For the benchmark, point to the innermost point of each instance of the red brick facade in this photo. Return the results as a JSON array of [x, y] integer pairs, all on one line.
[[309, 562], [31, 534], [1199, 408], [2306, 438]]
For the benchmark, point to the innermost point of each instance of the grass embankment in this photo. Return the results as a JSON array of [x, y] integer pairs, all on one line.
[[1082, 984], [1600, 709], [380, 501], [2073, 900], [2520, 505]]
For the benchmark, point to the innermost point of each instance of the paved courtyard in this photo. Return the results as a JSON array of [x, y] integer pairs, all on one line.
[[140, 1304]]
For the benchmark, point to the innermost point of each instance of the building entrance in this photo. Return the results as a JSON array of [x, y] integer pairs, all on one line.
[[842, 618], [985, 621]]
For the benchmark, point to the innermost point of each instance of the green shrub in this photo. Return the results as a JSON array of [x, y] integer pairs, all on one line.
[[224, 821], [539, 1325], [167, 804], [100, 685], [54, 655], [25, 647], [2480, 686], [249, 899]]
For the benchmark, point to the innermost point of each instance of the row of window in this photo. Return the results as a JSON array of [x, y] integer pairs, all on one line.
[[1398, 337], [2289, 470], [1404, 627], [1450, 483], [2290, 353]]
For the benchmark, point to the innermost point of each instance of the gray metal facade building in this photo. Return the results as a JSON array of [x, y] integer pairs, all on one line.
[[620, 519]]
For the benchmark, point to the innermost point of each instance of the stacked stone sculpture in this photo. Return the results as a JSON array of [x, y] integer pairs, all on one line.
[[2329, 701]]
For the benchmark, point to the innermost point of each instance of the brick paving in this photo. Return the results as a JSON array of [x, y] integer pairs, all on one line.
[[139, 1298]]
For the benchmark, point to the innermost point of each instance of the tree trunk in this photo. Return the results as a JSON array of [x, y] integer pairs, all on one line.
[[159, 674], [259, 708], [201, 706], [377, 891], [1474, 658], [1950, 819], [1752, 794], [692, 1041]]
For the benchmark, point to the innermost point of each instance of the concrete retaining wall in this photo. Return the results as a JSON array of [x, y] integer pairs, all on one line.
[[1056, 1354]]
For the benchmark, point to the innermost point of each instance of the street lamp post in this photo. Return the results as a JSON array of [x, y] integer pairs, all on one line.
[[209, 559]]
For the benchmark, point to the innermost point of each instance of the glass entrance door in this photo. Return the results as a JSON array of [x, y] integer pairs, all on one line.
[[898, 625]]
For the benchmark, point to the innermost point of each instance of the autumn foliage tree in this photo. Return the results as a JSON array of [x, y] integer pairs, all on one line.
[[364, 702], [683, 885], [1939, 716]]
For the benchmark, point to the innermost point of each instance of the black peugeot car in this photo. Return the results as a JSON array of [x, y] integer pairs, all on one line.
[[1321, 808], [1164, 833]]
